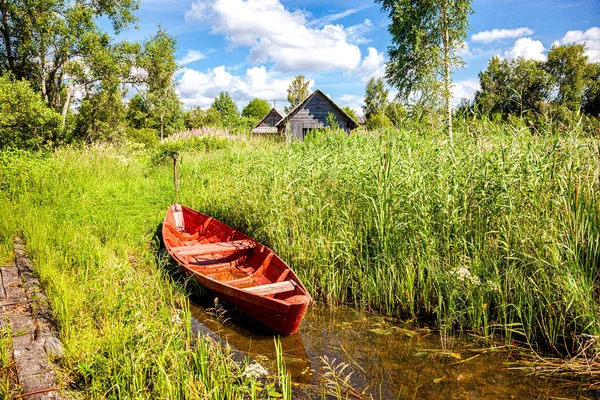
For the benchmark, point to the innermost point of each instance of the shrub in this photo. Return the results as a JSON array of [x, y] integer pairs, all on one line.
[[25, 120]]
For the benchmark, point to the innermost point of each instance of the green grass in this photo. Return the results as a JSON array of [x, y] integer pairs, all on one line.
[[89, 218], [500, 234]]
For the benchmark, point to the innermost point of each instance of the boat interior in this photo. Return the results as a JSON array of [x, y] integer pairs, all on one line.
[[215, 250]]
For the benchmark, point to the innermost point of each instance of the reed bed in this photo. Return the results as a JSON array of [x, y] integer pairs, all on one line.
[[499, 234]]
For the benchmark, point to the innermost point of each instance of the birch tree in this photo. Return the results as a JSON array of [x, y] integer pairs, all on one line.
[[427, 36]]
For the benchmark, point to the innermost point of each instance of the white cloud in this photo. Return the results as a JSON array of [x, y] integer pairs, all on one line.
[[590, 38], [500, 34], [278, 35], [357, 33], [465, 50], [197, 88], [464, 90], [353, 101], [373, 65], [334, 17], [527, 48], [191, 56]]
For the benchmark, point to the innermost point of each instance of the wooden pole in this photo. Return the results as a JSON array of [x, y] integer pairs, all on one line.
[[175, 180]]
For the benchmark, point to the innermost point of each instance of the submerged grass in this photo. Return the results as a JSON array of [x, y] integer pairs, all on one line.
[[498, 234]]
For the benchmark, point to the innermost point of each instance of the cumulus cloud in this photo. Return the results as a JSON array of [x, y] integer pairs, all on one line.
[[191, 56], [527, 48], [590, 38], [278, 35], [198, 88], [373, 65], [464, 90], [500, 34], [353, 101]]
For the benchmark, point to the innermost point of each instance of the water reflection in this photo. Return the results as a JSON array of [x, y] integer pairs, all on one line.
[[383, 360]]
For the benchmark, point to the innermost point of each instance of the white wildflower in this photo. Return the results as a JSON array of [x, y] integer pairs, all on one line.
[[254, 371]]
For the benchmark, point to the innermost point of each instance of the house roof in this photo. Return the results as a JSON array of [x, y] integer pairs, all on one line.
[[264, 129], [295, 110], [361, 120], [282, 115]]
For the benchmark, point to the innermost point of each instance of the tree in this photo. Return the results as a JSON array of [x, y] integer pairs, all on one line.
[[426, 37], [569, 66], [376, 97], [60, 48], [396, 113], [331, 121], [591, 94], [513, 87], [158, 65], [350, 111], [226, 108], [25, 119], [297, 92], [256, 109]]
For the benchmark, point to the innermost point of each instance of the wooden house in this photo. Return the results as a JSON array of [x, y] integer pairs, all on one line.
[[267, 124], [312, 114]]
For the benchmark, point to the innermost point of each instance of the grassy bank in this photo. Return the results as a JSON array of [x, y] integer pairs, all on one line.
[[89, 218], [500, 234]]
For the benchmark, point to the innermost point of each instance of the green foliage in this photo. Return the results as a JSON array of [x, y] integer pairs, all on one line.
[[331, 121], [376, 97], [297, 92], [101, 117], [350, 111], [256, 109], [44, 41], [378, 121], [165, 113], [396, 113], [25, 120], [195, 118], [146, 136], [513, 87], [165, 151], [226, 108], [426, 38], [591, 95], [568, 65], [137, 111]]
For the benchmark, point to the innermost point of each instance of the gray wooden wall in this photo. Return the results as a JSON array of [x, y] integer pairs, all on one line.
[[314, 115]]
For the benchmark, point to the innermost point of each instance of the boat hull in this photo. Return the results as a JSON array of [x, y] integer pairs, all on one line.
[[268, 290]]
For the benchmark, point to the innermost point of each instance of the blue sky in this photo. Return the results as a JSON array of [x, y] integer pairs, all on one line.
[[253, 48]]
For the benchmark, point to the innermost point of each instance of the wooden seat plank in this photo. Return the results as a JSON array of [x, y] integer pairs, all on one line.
[[273, 288], [213, 248]]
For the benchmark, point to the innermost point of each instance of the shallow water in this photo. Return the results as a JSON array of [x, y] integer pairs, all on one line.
[[386, 360]]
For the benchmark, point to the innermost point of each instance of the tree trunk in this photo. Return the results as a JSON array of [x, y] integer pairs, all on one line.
[[7, 43], [447, 81], [65, 109]]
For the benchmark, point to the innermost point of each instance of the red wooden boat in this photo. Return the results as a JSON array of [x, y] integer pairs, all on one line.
[[236, 268]]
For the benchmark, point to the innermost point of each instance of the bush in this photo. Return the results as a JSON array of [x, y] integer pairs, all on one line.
[[166, 150], [146, 136], [25, 120]]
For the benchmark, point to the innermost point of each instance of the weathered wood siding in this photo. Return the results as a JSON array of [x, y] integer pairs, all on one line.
[[271, 120], [314, 115]]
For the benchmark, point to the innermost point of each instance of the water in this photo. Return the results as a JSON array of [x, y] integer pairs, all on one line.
[[385, 360]]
